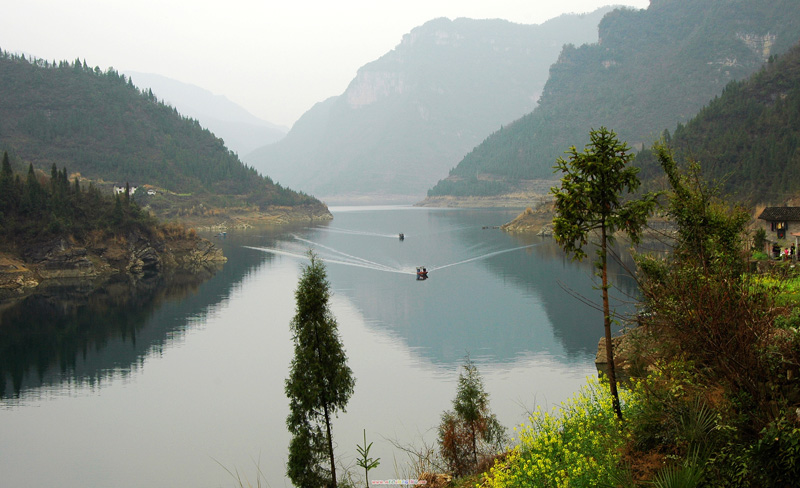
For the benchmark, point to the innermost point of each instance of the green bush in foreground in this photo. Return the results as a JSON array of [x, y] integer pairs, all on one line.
[[577, 445]]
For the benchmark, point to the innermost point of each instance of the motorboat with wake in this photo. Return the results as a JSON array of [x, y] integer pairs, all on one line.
[[422, 273]]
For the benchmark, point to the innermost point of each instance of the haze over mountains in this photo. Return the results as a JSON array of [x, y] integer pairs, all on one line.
[[650, 70], [410, 116], [99, 125], [242, 131], [413, 114]]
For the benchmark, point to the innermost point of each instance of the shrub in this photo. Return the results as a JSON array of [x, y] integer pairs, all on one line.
[[578, 445]]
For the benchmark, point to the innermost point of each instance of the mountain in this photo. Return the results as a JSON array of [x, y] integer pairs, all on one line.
[[242, 131], [102, 128], [411, 115], [649, 70], [748, 137]]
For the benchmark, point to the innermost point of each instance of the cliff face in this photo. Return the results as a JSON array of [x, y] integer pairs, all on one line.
[[135, 253], [651, 70], [409, 116]]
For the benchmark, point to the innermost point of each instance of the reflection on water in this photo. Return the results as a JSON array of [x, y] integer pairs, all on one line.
[[70, 333], [203, 362], [496, 296], [77, 334]]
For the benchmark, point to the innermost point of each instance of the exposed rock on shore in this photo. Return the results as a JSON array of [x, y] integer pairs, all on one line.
[[135, 253], [245, 218], [532, 221], [627, 350]]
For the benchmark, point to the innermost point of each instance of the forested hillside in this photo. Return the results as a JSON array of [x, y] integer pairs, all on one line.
[[97, 124], [411, 115], [748, 139], [650, 70]]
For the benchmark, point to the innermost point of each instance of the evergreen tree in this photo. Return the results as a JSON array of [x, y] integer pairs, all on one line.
[[7, 193], [33, 196], [470, 431], [319, 383], [117, 214], [589, 201]]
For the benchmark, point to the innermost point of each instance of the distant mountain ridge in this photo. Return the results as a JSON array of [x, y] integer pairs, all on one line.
[[99, 125], [650, 70], [411, 115], [242, 131]]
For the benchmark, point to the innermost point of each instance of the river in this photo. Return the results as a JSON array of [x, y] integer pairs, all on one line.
[[173, 381]]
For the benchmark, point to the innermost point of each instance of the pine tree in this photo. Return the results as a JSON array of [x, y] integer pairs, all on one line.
[[33, 199], [319, 383], [7, 193], [470, 430]]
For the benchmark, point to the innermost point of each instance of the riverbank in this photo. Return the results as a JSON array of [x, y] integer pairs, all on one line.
[[24, 269], [511, 200], [247, 218]]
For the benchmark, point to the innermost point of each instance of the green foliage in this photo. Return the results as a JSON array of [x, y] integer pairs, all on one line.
[[759, 239], [687, 475], [735, 339], [320, 383], [469, 433], [473, 186], [365, 461], [590, 197], [42, 207], [653, 69], [577, 445], [590, 200], [778, 450], [105, 128], [710, 233], [747, 138]]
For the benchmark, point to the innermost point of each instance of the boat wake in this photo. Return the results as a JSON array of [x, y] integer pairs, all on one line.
[[335, 230], [333, 256]]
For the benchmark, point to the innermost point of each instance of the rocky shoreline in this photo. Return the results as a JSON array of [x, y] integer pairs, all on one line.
[[136, 253], [514, 200], [245, 219]]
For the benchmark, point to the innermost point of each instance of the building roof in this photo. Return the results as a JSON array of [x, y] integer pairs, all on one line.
[[780, 213]]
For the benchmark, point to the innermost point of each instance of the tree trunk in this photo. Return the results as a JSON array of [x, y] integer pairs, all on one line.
[[330, 445], [612, 375], [474, 448], [324, 399]]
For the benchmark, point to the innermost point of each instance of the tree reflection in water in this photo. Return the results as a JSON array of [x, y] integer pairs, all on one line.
[[80, 332]]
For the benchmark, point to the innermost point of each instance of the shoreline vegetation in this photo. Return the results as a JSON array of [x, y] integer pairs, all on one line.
[[52, 229], [710, 394]]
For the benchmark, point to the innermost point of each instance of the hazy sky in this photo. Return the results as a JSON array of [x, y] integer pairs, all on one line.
[[275, 58]]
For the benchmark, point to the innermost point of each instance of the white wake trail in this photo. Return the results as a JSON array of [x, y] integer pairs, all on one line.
[[357, 264], [348, 256], [484, 256]]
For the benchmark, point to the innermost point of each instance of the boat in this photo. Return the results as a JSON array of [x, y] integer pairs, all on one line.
[[422, 273], [402, 236]]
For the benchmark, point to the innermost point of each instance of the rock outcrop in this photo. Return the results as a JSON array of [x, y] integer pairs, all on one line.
[[532, 221], [136, 253]]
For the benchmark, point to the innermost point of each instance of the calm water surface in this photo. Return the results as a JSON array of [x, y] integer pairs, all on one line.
[[168, 381]]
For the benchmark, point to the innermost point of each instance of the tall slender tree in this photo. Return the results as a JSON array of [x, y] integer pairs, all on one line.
[[7, 193], [590, 208], [319, 383]]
